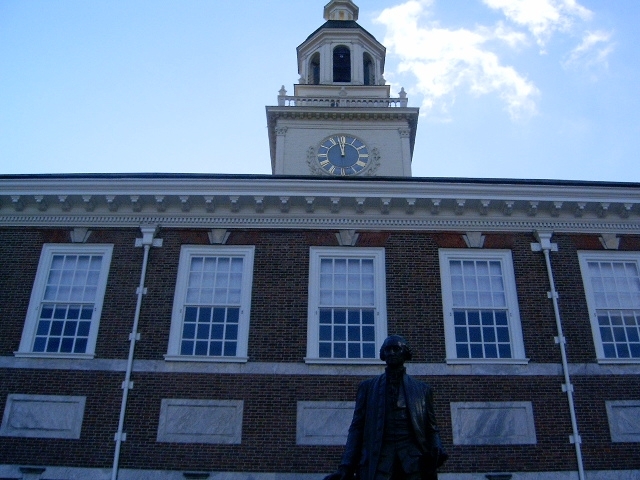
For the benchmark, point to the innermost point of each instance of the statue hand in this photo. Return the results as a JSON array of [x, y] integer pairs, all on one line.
[[440, 456]]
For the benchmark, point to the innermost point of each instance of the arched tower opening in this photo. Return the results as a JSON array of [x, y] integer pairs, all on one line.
[[368, 69], [314, 69], [341, 64]]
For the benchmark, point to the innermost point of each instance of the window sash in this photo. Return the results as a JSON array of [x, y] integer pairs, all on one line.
[[210, 331], [620, 333], [212, 303], [67, 308], [211, 310], [347, 315], [347, 282], [66, 300], [477, 283], [612, 285], [482, 321], [347, 333], [482, 333]]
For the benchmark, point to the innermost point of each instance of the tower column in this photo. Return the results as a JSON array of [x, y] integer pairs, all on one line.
[[357, 71], [405, 140], [280, 137], [326, 64]]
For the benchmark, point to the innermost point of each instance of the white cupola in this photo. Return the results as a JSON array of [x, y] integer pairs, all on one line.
[[341, 52], [341, 10]]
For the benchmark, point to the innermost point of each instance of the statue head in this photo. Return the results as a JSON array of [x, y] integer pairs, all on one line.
[[395, 350]]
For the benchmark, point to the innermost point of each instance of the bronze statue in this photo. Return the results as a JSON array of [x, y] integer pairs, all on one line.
[[393, 434]]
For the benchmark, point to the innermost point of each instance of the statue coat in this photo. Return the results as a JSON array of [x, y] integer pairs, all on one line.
[[364, 441]]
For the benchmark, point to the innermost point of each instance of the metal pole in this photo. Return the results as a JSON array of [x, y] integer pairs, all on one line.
[[146, 241], [546, 246]]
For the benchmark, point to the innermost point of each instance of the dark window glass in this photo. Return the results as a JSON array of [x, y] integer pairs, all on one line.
[[368, 350], [314, 70], [369, 75], [341, 64]]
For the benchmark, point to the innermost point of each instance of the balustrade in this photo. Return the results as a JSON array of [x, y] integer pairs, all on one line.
[[291, 101]]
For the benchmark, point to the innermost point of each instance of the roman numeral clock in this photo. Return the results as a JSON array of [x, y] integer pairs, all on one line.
[[343, 155], [341, 120]]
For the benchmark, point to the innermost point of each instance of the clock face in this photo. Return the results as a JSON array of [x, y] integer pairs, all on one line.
[[343, 155]]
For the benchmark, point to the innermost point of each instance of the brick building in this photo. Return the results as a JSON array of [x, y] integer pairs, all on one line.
[[217, 326]]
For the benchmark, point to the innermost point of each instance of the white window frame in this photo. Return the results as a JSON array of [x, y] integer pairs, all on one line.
[[599, 256], [380, 301], [186, 254], [37, 298], [513, 312]]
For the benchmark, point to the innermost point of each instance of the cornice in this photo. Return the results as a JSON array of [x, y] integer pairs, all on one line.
[[97, 185], [300, 202], [343, 113], [322, 222]]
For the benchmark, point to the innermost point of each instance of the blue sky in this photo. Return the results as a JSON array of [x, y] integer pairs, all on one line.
[[507, 88]]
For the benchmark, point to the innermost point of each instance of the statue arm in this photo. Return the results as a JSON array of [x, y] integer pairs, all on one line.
[[430, 414], [432, 432], [353, 448]]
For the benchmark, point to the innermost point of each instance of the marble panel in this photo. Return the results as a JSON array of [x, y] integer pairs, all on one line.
[[201, 421], [493, 423], [43, 416], [624, 420], [323, 423]]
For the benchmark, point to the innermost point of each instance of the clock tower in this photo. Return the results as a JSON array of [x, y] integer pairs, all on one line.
[[341, 120]]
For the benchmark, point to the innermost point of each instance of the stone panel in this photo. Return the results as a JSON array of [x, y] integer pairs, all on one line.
[[624, 420], [43, 416], [324, 423], [492, 423], [201, 421]]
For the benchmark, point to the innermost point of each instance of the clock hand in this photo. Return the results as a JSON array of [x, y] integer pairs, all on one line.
[[342, 141]]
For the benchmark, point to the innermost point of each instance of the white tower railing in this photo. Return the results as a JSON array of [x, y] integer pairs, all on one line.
[[290, 101], [285, 100]]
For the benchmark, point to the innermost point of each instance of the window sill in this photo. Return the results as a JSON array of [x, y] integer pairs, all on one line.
[[73, 356], [190, 358], [343, 361], [618, 361], [487, 361]]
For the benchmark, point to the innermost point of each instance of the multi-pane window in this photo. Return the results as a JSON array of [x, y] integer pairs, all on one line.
[[347, 317], [212, 303], [612, 285], [66, 300], [480, 306], [347, 325]]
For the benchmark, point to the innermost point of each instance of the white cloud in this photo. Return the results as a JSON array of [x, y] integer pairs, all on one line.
[[593, 50], [512, 38], [542, 17], [445, 60]]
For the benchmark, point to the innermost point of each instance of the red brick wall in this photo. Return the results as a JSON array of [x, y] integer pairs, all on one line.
[[20, 253], [96, 446], [590, 396], [414, 298], [269, 424], [278, 334]]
